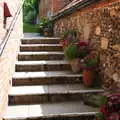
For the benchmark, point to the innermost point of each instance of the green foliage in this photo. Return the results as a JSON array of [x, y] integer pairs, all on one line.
[[110, 109], [100, 116], [28, 28], [30, 10], [44, 21], [45, 25], [91, 61], [30, 17], [103, 100], [99, 100], [71, 52]]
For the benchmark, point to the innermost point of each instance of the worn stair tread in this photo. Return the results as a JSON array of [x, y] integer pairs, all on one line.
[[41, 38], [36, 56], [45, 77], [44, 74], [39, 45], [40, 53], [42, 62], [52, 89], [49, 109], [42, 65]]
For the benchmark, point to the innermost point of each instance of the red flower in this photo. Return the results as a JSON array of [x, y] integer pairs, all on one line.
[[111, 110], [108, 118], [82, 43], [104, 110]]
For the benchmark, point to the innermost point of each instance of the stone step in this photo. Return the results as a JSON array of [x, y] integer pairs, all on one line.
[[40, 40], [28, 66], [36, 56], [40, 47], [38, 78], [49, 93], [68, 110]]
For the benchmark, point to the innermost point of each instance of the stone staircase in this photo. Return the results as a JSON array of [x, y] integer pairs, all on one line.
[[44, 88]]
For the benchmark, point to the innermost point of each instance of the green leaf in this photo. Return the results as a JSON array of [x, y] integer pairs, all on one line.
[[103, 100], [100, 116], [71, 52]]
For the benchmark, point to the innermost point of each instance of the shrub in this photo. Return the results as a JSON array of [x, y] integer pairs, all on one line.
[[110, 108], [30, 17], [71, 52]]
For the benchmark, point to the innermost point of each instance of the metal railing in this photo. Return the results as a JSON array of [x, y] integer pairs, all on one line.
[[11, 27]]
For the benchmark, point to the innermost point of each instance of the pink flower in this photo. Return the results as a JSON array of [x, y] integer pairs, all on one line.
[[114, 116], [66, 42]]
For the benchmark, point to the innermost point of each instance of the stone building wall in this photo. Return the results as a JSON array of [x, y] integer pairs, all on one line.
[[100, 24], [8, 58]]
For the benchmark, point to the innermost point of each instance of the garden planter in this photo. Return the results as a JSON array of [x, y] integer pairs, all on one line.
[[75, 65], [88, 77], [47, 32]]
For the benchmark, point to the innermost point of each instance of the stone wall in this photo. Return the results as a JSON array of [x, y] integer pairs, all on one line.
[[100, 24], [8, 58]]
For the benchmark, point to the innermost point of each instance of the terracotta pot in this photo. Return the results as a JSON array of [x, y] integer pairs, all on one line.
[[75, 65], [46, 34], [88, 77]]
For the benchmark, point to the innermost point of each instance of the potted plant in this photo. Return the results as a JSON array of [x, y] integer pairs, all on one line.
[[67, 38], [90, 66], [72, 55], [48, 29], [45, 27], [74, 52], [83, 48], [110, 107]]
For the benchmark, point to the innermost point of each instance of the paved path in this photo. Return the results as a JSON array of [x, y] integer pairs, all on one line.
[[26, 35]]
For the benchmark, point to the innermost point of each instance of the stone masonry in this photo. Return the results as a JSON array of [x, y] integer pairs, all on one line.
[[8, 58], [101, 26]]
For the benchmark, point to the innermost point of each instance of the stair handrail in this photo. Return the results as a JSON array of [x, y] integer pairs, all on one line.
[[10, 29]]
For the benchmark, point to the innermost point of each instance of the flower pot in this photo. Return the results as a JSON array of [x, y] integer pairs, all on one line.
[[75, 65], [46, 34], [88, 77]]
